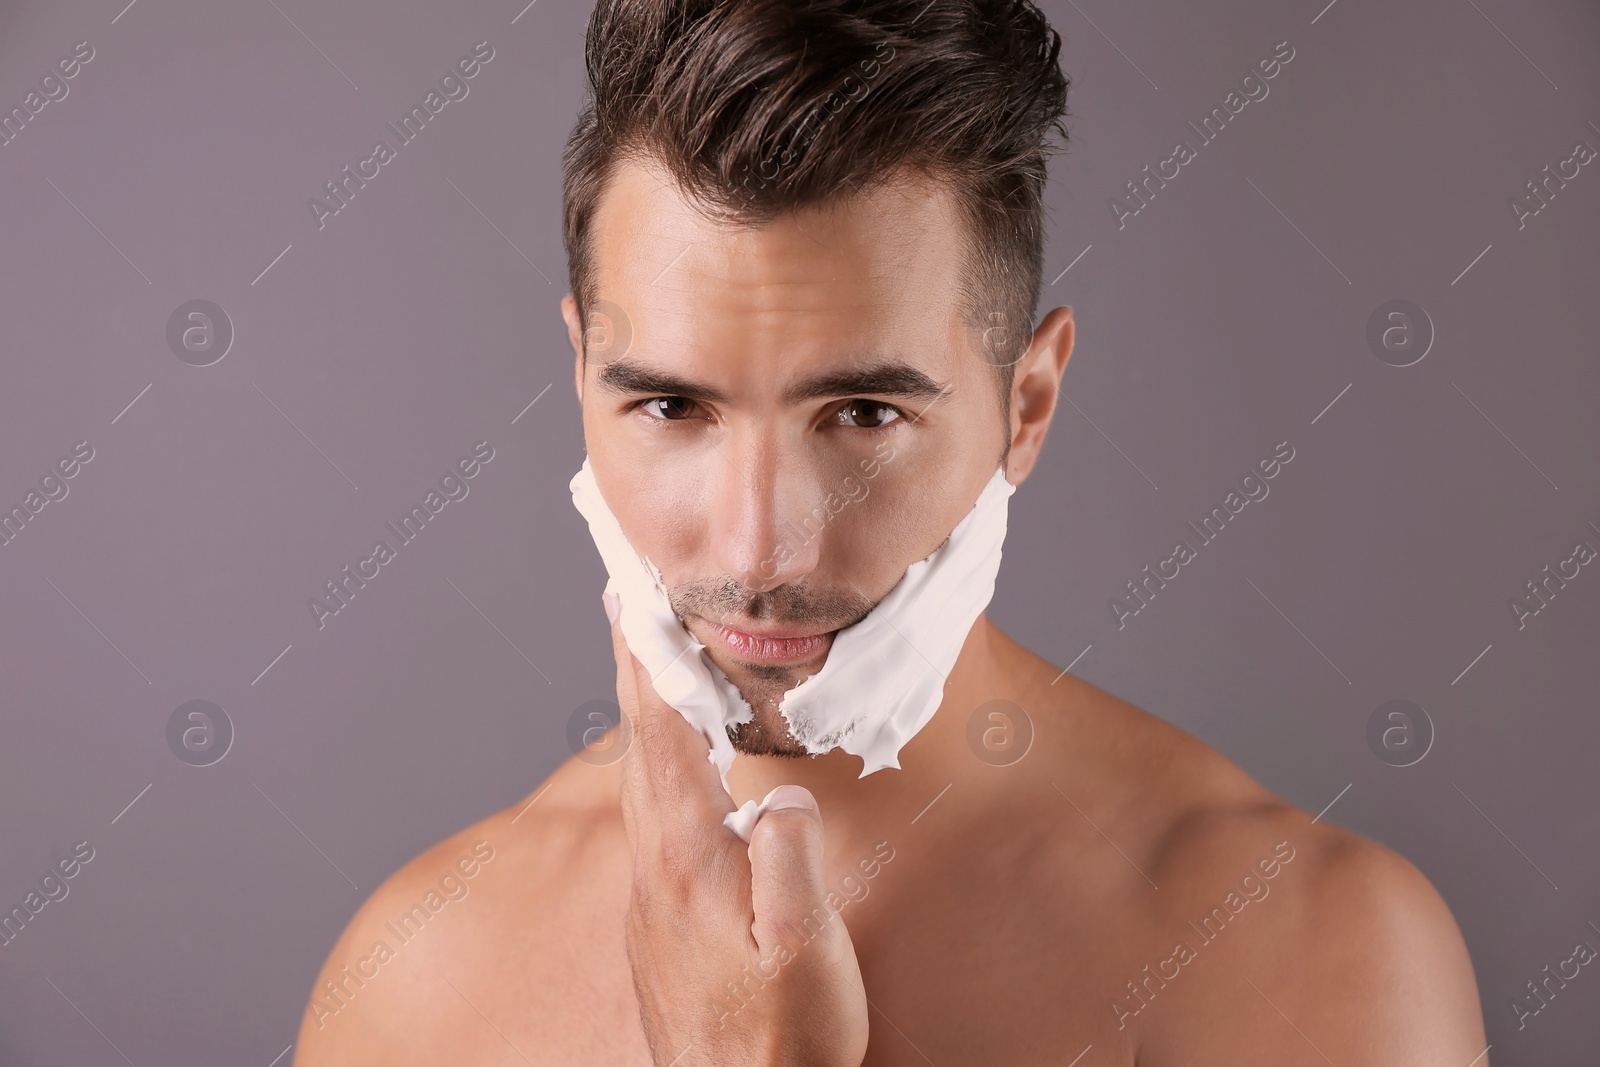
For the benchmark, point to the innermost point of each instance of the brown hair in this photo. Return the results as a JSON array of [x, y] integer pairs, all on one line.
[[761, 107]]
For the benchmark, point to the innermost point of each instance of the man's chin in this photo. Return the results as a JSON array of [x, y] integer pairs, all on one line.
[[763, 685], [761, 737]]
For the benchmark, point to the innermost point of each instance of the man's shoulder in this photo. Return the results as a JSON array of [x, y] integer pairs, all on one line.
[[433, 941], [1291, 919]]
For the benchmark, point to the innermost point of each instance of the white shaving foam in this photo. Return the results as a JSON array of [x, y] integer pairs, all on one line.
[[884, 676]]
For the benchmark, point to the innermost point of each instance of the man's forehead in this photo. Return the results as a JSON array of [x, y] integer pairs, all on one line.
[[896, 243], [854, 287]]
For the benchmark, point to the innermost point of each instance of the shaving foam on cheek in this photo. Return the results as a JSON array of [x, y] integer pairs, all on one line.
[[884, 676]]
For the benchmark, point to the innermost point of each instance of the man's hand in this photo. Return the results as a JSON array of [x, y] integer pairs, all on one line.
[[736, 958]]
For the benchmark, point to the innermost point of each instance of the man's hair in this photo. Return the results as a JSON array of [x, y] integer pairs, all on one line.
[[760, 107]]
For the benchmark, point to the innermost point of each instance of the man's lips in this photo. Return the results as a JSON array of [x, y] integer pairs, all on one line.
[[771, 646]]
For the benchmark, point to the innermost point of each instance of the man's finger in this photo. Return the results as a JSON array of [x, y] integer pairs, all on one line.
[[669, 782], [787, 893]]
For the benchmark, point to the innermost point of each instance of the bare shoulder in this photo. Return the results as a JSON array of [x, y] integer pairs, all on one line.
[[1270, 930], [455, 953]]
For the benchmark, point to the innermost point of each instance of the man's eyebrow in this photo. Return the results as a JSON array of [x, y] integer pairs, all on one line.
[[629, 376], [880, 378]]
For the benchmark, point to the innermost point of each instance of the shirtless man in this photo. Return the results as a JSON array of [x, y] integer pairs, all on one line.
[[1073, 882]]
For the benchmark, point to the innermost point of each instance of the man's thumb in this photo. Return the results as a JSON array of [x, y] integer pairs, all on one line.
[[787, 893]]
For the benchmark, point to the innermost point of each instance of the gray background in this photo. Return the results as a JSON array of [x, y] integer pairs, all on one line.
[[1224, 318]]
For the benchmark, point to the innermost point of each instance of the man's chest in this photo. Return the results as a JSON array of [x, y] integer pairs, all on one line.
[[949, 980]]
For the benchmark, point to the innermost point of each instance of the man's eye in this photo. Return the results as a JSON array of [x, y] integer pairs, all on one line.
[[870, 414], [676, 407]]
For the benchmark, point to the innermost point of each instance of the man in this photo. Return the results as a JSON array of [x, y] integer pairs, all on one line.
[[798, 234]]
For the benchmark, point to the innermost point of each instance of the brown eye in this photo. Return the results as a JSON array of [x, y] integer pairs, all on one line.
[[676, 407], [874, 414]]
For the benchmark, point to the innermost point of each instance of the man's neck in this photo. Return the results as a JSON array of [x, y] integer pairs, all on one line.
[[935, 756]]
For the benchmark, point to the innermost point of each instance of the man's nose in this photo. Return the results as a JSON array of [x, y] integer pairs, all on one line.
[[758, 533]]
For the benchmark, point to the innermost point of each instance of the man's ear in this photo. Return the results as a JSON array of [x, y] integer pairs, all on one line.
[[569, 312], [1035, 388]]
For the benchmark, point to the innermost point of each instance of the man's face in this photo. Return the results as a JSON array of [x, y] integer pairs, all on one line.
[[782, 419]]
